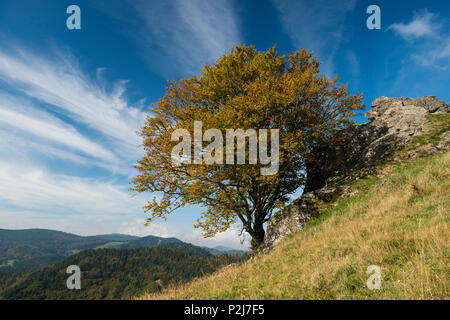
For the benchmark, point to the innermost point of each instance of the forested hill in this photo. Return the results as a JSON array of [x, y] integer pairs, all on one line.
[[24, 250], [149, 241], [115, 273]]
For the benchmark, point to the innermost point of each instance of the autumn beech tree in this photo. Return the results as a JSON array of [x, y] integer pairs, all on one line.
[[281, 101]]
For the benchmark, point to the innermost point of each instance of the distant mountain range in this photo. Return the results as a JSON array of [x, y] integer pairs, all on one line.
[[23, 250], [117, 237]]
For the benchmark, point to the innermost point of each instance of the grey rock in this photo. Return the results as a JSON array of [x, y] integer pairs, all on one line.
[[290, 220], [444, 143]]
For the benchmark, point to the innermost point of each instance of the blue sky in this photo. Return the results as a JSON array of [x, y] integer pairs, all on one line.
[[71, 100]]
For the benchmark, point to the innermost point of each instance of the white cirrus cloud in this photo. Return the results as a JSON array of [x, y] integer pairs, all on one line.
[[31, 197], [16, 113], [178, 37], [50, 104], [31, 188], [60, 82]]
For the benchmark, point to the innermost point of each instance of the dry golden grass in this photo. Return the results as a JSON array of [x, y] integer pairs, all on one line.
[[402, 226]]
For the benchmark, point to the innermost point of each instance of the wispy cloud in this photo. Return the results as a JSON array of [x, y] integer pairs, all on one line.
[[16, 113], [424, 24], [61, 83], [76, 101], [33, 197], [177, 37], [431, 40], [32, 188], [316, 25]]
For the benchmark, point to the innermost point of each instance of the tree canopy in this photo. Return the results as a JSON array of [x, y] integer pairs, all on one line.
[[250, 90]]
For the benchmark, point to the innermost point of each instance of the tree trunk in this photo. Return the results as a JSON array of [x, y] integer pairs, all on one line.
[[257, 236]]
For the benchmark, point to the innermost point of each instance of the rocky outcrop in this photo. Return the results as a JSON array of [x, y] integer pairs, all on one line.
[[393, 122]]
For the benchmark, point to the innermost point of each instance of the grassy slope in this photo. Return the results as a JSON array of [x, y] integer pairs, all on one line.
[[400, 223]]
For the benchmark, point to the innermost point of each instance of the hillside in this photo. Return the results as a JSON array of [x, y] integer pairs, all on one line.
[[115, 273], [149, 241], [22, 250], [381, 198], [130, 242], [400, 224]]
